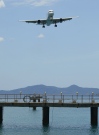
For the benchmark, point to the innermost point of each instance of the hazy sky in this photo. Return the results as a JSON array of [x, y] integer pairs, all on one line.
[[62, 56]]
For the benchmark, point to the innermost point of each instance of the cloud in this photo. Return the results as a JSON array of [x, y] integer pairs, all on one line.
[[2, 4], [1, 39], [43, 2], [41, 36], [34, 2]]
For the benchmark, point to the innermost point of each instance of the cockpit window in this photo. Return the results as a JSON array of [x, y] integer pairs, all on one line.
[[50, 11]]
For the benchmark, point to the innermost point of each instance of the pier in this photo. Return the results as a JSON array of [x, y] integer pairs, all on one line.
[[46, 101]]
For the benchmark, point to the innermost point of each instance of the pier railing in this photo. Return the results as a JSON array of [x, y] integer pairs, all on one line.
[[49, 98]]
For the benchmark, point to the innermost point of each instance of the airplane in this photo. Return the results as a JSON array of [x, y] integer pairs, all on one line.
[[50, 20]]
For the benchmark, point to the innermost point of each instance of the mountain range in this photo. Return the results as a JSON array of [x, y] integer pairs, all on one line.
[[41, 89]]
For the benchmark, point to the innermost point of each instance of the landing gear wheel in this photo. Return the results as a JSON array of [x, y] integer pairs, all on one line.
[[43, 26]]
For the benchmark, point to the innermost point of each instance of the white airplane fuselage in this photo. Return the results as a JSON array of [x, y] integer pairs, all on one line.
[[49, 17], [49, 20]]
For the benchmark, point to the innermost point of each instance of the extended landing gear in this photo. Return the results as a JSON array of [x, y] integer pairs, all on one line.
[[43, 26], [55, 24]]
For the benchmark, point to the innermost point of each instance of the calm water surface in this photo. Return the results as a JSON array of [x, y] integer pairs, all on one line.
[[63, 121]]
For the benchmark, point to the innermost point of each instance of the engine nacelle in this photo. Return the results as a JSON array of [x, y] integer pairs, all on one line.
[[61, 20], [38, 21]]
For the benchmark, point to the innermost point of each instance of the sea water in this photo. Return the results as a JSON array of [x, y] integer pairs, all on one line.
[[63, 121]]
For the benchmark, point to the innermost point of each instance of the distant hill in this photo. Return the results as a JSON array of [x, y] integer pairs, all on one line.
[[41, 89]]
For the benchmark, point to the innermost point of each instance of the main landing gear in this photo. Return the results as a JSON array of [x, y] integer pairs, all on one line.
[[55, 24], [43, 26]]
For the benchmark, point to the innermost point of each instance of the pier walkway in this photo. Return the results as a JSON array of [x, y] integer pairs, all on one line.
[[46, 101]]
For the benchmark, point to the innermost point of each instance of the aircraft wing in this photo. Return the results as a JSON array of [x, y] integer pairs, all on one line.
[[57, 20], [42, 21]]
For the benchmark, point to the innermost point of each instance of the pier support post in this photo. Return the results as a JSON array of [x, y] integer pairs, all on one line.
[[1, 114], [94, 116], [45, 119], [34, 108]]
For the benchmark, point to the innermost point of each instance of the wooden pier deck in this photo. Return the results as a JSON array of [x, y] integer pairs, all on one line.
[[37, 104], [46, 101]]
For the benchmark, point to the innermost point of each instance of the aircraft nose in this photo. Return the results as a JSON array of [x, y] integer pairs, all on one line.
[[51, 13]]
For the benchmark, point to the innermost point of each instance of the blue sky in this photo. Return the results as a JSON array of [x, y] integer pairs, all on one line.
[[62, 56]]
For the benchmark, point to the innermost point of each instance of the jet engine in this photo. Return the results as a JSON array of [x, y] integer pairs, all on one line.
[[38, 21], [61, 20]]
